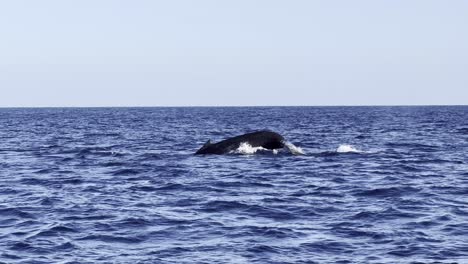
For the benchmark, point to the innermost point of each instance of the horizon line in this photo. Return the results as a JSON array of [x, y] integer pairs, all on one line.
[[236, 106]]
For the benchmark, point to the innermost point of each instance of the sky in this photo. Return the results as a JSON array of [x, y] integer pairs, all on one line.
[[56, 53]]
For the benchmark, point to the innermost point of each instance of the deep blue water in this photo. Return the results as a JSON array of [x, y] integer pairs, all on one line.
[[121, 185]]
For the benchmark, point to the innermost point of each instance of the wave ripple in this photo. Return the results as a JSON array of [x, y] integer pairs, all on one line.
[[121, 185]]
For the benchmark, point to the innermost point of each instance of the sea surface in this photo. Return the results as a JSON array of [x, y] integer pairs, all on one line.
[[121, 185]]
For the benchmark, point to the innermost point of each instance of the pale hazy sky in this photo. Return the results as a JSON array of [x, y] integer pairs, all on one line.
[[239, 52]]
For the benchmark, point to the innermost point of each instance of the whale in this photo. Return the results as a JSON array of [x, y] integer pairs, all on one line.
[[266, 139]]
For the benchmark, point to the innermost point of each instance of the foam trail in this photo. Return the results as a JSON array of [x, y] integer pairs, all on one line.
[[347, 149], [294, 149]]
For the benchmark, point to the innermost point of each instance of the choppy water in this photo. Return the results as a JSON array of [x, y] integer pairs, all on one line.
[[120, 185]]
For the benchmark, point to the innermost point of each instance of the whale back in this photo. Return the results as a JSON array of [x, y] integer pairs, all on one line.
[[265, 139]]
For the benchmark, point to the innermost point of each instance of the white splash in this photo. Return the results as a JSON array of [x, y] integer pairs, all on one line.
[[247, 149], [294, 149], [347, 149]]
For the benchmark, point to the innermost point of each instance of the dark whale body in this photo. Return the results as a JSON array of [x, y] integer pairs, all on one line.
[[265, 139]]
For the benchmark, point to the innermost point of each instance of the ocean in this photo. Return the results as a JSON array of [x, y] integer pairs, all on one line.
[[122, 185]]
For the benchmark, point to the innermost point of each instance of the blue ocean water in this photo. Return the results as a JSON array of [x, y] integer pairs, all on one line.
[[121, 185]]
